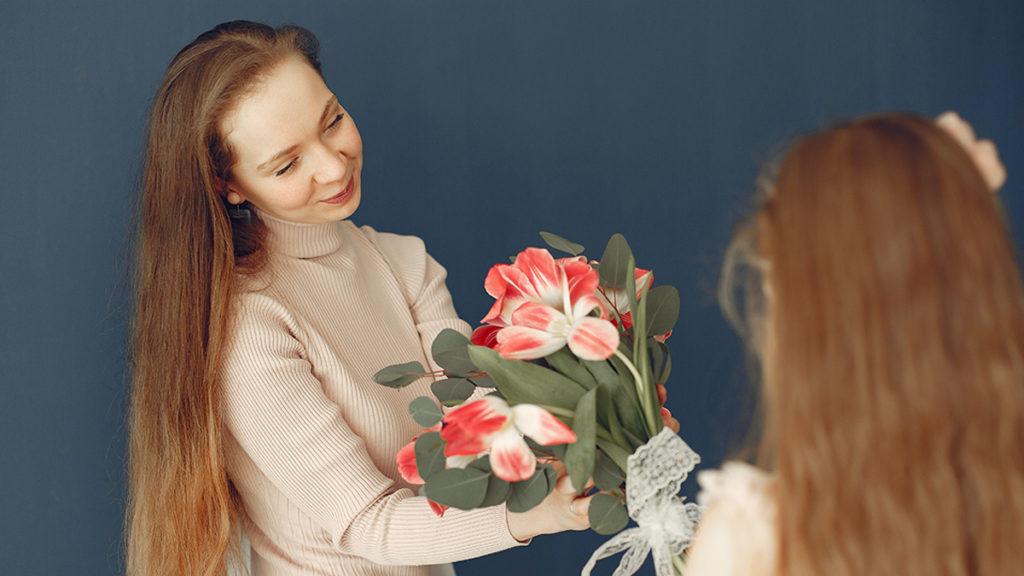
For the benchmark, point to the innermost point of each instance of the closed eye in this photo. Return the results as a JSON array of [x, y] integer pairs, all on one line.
[[286, 168], [335, 122]]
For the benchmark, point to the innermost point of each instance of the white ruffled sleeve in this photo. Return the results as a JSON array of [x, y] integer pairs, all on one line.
[[737, 534]]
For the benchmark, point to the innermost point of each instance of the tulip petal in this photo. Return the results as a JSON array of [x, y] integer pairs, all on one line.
[[495, 283], [643, 278], [539, 317], [584, 306], [406, 460], [486, 335], [582, 279], [511, 459], [522, 343], [593, 339], [438, 509], [506, 284], [468, 429], [460, 461], [541, 425], [545, 277]]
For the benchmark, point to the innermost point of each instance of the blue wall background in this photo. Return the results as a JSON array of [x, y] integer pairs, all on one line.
[[483, 123]]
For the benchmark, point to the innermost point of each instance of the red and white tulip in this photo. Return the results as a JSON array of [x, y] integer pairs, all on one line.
[[542, 304], [490, 424]]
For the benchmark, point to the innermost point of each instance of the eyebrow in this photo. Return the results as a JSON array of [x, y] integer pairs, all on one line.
[[291, 149]]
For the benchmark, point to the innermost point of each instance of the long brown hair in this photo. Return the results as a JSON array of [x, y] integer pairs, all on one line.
[[888, 315], [182, 513]]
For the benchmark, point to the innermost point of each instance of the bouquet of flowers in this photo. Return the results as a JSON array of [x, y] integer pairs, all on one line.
[[575, 352]]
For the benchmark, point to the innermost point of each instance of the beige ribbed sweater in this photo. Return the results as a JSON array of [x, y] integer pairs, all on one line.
[[311, 439]]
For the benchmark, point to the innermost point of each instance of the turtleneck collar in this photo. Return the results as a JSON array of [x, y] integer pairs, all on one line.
[[300, 240]]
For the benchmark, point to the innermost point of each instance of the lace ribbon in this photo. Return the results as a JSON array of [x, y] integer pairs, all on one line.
[[665, 524]]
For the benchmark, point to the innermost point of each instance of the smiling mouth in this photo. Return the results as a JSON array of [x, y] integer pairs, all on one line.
[[342, 196]]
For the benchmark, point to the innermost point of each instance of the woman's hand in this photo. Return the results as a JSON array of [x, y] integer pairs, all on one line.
[[562, 510], [983, 152]]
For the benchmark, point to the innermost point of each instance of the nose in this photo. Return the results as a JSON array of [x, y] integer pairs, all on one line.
[[331, 165]]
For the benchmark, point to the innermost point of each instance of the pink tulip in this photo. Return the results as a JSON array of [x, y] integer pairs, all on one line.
[[538, 330], [486, 335], [491, 424], [542, 304], [616, 298], [535, 277], [406, 460]]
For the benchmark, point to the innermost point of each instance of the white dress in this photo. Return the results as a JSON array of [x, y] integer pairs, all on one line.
[[737, 535]]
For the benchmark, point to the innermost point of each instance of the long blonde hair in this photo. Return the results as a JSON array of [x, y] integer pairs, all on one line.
[[182, 512], [887, 311]]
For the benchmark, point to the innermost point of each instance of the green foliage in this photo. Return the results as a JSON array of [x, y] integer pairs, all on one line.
[[561, 244], [400, 375], [425, 412]]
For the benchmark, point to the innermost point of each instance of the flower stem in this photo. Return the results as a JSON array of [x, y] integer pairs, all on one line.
[[643, 396]]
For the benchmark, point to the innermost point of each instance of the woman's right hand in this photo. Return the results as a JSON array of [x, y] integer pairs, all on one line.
[[983, 152], [562, 510]]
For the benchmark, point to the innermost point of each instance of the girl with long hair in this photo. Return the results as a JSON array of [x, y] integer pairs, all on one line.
[[261, 315], [878, 288]]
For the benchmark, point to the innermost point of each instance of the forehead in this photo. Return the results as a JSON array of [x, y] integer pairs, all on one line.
[[282, 108]]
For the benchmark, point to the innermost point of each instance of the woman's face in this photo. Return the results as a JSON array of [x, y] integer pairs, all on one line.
[[298, 154]]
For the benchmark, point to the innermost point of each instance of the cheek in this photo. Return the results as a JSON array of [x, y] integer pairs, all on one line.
[[294, 195], [285, 197]]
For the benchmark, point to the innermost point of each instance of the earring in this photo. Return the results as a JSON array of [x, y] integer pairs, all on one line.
[[240, 213], [236, 210]]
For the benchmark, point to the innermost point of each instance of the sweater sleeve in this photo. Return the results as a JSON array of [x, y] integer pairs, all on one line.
[[276, 409], [423, 282]]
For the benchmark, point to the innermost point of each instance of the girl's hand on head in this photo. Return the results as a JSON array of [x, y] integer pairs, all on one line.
[[983, 152], [562, 510]]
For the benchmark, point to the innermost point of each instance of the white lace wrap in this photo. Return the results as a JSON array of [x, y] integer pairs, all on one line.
[[665, 524]]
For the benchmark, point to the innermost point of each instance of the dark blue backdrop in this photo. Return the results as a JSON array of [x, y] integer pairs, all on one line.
[[483, 122]]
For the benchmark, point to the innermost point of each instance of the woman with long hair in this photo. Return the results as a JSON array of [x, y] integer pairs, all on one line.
[[878, 288], [261, 315]]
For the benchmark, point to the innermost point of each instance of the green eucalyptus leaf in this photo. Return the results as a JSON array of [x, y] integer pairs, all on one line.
[[642, 362], [615, 263], [561, 244], [607, 514], [528, 493], [462, 488], [662, 309], [400, 375], [607, 475], [624, 395], [482, 463], [552, 478], [569, 365], [526, 383], [497, 492], [425, 412], [449, 351], [657, 353], [430, 457], [482, 381], [579, 456], [452, 391]]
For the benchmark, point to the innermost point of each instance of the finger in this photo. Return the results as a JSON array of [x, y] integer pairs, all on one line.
[[564, 485], [960, 130], [559, 467], [581, 508]]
